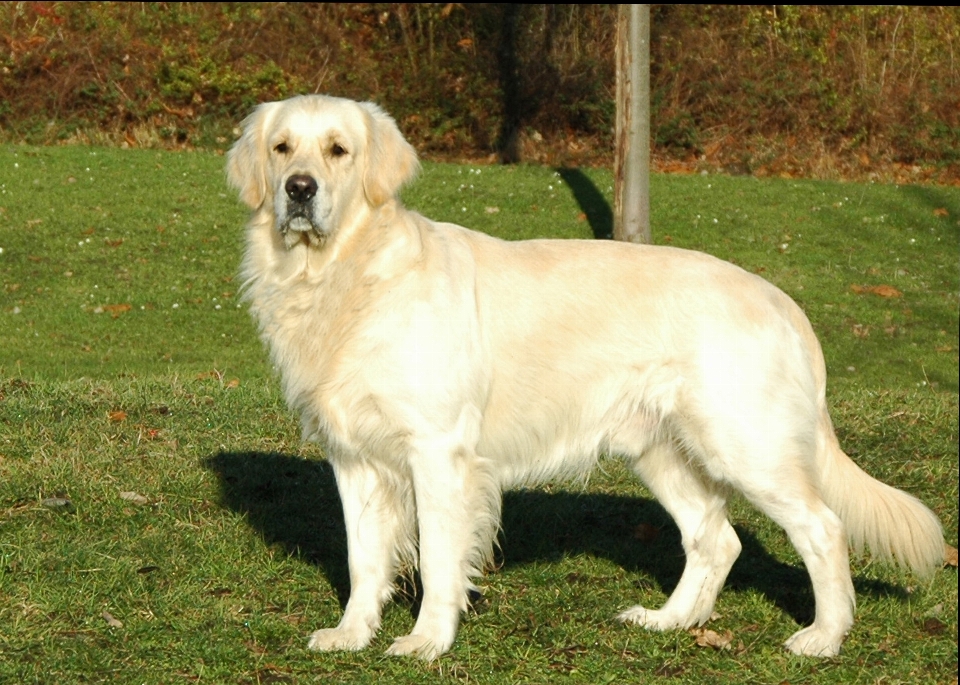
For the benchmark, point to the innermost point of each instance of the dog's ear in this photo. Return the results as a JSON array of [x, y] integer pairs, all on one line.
[[247, 159], [390, 160]]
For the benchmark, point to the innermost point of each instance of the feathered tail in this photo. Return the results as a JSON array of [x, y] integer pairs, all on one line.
[[897, 527]]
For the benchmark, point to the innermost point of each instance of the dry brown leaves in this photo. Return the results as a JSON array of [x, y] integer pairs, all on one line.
[[646, 532], [950, 556], [134, 498], [710, 638], [111, 621], [881, 290]]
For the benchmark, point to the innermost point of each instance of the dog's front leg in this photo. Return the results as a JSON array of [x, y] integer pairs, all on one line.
[[380, 528], [455, 507]]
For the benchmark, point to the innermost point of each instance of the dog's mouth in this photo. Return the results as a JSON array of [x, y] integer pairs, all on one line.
[[299, 226], [299, 223]]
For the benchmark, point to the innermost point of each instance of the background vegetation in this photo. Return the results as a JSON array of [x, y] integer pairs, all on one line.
[[828, 91]]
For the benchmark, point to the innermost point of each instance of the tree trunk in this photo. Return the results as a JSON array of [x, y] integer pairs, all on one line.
[[631, 209]]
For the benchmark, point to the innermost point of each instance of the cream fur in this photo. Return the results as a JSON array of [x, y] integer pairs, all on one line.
[[440, 366]]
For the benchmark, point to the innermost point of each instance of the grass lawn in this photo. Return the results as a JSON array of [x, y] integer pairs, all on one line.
[[160, 521]]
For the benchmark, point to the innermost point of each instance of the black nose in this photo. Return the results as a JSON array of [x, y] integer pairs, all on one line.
[[300, 188]]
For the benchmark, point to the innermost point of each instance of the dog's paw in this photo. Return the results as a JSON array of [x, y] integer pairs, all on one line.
[[649, 619], [417, 645], [339, 639], [814, 642]]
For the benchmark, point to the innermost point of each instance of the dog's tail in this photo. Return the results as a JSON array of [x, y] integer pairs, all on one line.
[[897, 527]]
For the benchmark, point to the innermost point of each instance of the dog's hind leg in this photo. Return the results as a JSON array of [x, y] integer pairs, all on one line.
[[379, 518], [818, 535], [698, 506]]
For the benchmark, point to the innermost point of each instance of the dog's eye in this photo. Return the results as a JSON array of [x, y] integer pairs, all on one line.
[[281, 148], [337, 150]]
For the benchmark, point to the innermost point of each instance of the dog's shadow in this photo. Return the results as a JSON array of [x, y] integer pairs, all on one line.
[[293, 503]]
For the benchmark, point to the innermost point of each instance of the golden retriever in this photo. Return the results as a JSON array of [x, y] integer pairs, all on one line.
[[440, 366]]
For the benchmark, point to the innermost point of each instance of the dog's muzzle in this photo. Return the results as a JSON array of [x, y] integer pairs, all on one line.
[[299, 219]]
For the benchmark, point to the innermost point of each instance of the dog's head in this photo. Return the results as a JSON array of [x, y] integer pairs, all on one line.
[[311, 159]]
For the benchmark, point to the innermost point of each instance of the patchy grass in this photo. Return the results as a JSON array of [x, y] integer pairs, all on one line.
[[161, 522]]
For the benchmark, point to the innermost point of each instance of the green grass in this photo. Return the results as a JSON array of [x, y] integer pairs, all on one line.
[[235, 550]]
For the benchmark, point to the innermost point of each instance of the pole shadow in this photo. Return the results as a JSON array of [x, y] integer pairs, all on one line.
[[592, 202]]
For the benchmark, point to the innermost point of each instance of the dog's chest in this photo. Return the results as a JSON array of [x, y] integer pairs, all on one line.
[[319, 333], [306, 322]]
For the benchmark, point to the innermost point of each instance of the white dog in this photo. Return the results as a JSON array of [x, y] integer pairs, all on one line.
[[440, 366]]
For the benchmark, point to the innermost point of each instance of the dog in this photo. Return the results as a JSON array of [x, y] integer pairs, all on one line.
[[440, 366]]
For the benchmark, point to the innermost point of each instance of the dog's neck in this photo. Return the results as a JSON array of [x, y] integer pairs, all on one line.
[[379, 242]]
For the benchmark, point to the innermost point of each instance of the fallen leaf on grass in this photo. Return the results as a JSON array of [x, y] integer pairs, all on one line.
[[950, 555], [933, 626], [881, 290], [887, 645], [669, 670], [709, 638], [254, 647], [111, 621], [645, 532], [134, 497], [941, 212], [117, 416], [116, 309], [57, 503], [273, 674]]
